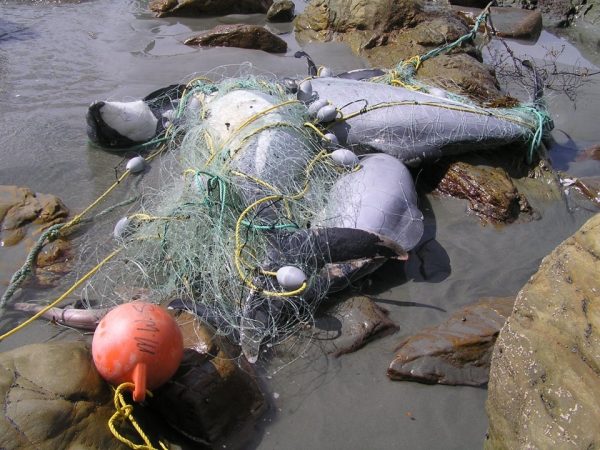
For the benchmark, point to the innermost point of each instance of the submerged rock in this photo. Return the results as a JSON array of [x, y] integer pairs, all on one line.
[[545, 372], [350, 324], [342, 328], [281, 11], [210, 399], [240, 35], [20, 206], [53, 398], [165, 8], [490, 191], [387, 32], [23, 215], [456, 352]]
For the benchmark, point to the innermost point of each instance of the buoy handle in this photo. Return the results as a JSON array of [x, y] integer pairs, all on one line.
[[139, 380]]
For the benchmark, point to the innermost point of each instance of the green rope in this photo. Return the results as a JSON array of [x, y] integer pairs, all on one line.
[[20, 275]]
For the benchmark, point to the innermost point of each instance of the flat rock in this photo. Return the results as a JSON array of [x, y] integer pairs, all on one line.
[[165, 8], [350, 324], [489, 190], [214, 395], [387, 32], [344, 327], [53, 398], [456, 352], [240, 35], [281, 11], [545, 372], [513, 23]]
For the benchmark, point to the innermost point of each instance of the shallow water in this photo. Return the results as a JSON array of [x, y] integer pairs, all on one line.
[[56, 59]]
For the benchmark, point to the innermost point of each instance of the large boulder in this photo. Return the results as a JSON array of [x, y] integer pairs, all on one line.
[[387, 32], [165, 8], [544, 387], [241, 36], [53, 398], [456, 352]]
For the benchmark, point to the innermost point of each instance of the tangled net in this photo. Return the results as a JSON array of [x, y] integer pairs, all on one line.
[[252, 173]]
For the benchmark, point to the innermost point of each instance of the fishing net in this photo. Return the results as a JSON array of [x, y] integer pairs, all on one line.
[[250, 174], [246, 174]]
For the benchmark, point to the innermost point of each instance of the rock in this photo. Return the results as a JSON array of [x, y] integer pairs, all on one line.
[[490, 191], [456, 352], [513, 23], [589, 187], [53, 398], [387, 32], [19, 206], [211, 398], [592, 153], [165, 8], [281, 11], [240, 35], [351, 324], [20, 209], [462, 74], [54, 261], [545, 371], [558, 13]]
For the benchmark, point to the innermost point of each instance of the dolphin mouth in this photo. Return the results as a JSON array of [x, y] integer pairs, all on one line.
[[100, 133]]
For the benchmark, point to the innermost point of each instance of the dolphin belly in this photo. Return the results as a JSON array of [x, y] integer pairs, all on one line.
[[380, 198]]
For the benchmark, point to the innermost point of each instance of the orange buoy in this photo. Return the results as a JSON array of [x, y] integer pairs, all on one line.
[[137, 342]]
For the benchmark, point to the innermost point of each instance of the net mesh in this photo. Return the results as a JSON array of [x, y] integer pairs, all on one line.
[[250, 174]]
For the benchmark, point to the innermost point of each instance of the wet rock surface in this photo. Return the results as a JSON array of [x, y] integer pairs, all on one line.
[[24, 214], [240, 35], [20, 206], [545, 372], [214, 396], [342, 327], [513, 23], [53, 398], [281, 11], [165, 8], [350, 324], [456, 352], [491, 194], [387, 32]]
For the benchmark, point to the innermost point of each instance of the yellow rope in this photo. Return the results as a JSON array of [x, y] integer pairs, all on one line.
[[313, 127], [62, 297], [125, 411], [75, 220], [247, 122], [239, 249]]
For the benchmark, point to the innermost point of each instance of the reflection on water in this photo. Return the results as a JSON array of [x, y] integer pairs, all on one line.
[[56, 59]]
